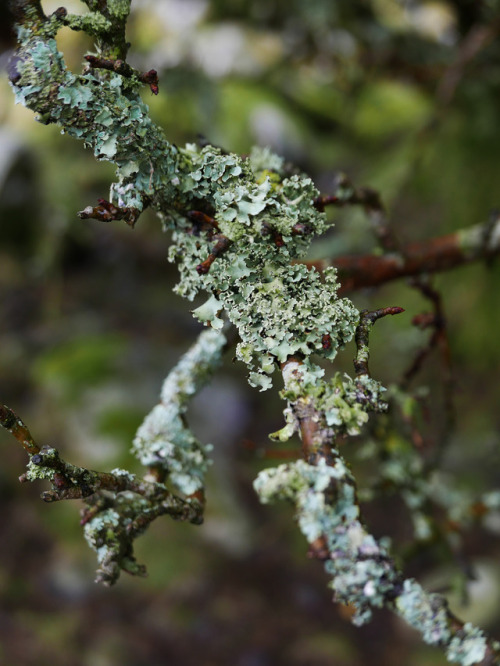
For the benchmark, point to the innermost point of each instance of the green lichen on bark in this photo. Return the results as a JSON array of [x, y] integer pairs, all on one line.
[[326, 506], [362, 572], [279, 309], [164, 440]]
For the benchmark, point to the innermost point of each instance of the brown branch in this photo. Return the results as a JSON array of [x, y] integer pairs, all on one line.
[[223, 242], [346, 194], [439, 337], [202, 222], [480, 242], [18, 429], [123, 68], [105, 211]]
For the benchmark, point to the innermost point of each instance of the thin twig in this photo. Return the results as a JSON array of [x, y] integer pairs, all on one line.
[[11, 422], [435, 255]]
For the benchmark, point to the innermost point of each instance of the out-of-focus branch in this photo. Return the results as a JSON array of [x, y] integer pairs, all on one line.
[[18, 429], [478, 38], [345, 193], [480, 242]]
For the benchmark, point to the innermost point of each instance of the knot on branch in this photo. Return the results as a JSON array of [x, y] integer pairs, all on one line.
[[221, 245], [124, 69], [106, 211]]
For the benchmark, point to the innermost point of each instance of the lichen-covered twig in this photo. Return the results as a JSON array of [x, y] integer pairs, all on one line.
[[367, 319], [123, 68], [163, 441], [279, 308], [323, 491], [120, 504], [362, 572]]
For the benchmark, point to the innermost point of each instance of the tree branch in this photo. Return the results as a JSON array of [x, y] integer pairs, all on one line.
[[478, 243], [323, 490]]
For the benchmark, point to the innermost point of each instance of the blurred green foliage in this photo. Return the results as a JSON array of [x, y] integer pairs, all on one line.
[[78, 364]]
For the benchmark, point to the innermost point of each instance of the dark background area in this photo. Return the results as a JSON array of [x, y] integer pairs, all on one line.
[[401, 96]]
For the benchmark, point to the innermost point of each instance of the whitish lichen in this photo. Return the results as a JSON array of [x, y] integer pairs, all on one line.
[[267, 215], [326, 506], [106, 533], [424, 612], [468, 646], [164, 440], [362, 573]]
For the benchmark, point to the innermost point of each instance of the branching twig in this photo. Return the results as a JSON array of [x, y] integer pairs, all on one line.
[[347, 194], [284, 314], [362, 572], [367, 319], [120, 504]]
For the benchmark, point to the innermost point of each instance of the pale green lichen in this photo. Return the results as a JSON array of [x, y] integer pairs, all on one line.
[[106, 533], [39, 468], [164, 440], [344, 401], [93, 22], [280, 309], [362, 574], [424, 612], [468, 646], [428, 614]]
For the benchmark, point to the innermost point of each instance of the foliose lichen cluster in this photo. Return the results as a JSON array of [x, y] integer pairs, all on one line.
[[279, 308]]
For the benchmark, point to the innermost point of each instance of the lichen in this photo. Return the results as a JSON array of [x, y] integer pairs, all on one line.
[[424, 612], [39, 468], [164, 439], [280, 309], [468, 646], [362, 574], [106, 533]]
